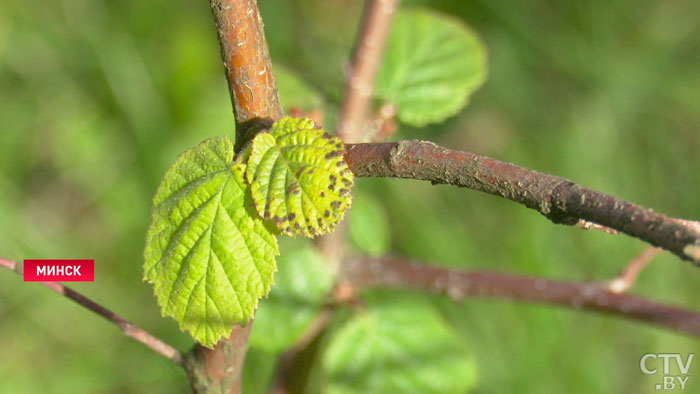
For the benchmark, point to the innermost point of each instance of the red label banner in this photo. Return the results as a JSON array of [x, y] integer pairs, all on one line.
[[59, 270]]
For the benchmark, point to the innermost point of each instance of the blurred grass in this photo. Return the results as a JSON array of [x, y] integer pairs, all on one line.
[[97, 98]]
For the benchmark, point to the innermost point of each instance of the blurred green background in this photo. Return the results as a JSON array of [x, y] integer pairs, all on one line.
[[98, 97]]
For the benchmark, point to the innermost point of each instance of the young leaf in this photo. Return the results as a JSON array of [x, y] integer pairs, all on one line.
[[431, 64], [400, 347], [208, 253], [298, 177]]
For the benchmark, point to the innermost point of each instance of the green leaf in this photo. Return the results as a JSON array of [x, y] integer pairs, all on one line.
[[369, 226], [299, 178], [431, 64], [208, 253], [304, 279], [402, 347]]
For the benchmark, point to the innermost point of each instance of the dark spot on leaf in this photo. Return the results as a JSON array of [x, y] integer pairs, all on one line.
[[333, 154], [336, 204], [344, 192], [345, 172], [332, 178], [347, 182], [291, 216], [296, 225], [331, 187], [323, 194], [320, 222], [327, 213], [293, 188]]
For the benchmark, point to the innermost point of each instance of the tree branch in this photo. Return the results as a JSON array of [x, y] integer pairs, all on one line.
[[219, 370], [256, 106], [246, 59], [126, 327], [364, 273], [558, 199], [367, 55]]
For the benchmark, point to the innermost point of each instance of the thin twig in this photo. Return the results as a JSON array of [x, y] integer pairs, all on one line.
[[388, 272], [558, 199], [367, 56], [629, 276], [126, 327], [10, 265]]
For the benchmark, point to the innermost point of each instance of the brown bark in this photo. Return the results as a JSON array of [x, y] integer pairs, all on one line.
[[219, 370], [256, 106], [246, 59], [558, 199], [388, 272]]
